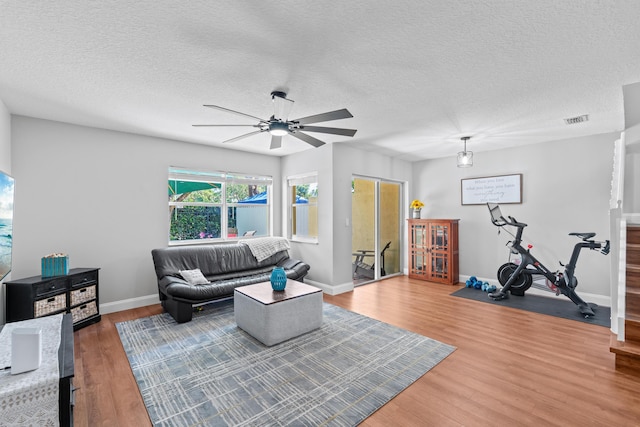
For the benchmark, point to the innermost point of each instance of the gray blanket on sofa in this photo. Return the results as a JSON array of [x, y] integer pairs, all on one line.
[[263, 247]]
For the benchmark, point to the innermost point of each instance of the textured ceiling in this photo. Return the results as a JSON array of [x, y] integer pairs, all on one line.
[[416, 75]]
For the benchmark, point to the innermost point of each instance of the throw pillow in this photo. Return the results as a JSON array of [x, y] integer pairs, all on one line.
[[194, 277]]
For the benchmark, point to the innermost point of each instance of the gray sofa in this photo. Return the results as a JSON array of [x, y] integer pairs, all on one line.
[[225, 266]]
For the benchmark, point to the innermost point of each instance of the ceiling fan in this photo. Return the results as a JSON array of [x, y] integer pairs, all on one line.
[[279, 124]]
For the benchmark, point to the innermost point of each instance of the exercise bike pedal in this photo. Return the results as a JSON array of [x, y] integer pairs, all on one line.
[[498, 295], [588, 310]]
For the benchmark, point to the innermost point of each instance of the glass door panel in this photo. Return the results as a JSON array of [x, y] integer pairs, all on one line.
[[390, 202], [376, 224], [439, 250], [363, 234]]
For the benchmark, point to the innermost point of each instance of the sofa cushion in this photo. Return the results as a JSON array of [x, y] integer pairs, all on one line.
[[210, 259]]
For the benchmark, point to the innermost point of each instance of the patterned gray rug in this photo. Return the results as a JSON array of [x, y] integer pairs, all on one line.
[[207, 372]]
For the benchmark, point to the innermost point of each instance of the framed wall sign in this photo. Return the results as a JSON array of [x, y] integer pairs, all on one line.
[[494, 189]]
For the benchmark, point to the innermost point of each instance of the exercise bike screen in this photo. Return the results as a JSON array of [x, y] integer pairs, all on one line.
[[496, 214]]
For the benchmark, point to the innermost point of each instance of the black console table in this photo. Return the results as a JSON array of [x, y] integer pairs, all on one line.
[[67, 370], [75, 293]]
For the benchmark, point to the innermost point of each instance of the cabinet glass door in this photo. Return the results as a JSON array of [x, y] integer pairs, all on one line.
[[438, 250], [418, 249]]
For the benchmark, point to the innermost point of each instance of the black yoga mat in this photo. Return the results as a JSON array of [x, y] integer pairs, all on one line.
[[559, 306]]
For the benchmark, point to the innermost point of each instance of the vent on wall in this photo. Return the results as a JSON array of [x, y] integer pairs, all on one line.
[[577, 119]]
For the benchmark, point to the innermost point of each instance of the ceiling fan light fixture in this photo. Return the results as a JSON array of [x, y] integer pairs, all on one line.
[[465, 158], [278, 128], [281, 105], [278, 125]]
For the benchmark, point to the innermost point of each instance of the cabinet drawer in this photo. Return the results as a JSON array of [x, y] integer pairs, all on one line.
[[82, 295], [85, 278], [82, 312], [50, 286], [51, 305]]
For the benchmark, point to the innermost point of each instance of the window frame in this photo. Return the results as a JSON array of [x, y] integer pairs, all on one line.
[[294, 181], [224, 179]]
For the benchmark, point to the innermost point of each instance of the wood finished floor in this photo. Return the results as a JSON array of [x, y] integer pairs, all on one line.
[[510, 368]]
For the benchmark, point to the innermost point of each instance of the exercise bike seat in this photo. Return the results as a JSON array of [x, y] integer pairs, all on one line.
[[583, 236]]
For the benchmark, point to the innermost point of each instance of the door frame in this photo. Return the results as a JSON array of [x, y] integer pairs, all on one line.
[[377, 240]]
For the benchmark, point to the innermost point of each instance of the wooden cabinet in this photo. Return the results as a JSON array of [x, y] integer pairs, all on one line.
[[433, 250], [75, 293]]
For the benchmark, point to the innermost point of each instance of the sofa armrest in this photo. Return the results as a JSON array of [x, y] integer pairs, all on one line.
[[166, 281], [296, 269], [171, 279]]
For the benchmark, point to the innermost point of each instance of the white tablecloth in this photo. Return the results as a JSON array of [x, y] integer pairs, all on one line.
[[31, 398]]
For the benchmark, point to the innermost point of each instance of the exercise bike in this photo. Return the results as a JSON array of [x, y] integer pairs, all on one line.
[[517, 278]]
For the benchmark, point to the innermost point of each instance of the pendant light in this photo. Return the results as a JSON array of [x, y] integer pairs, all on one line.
[[465, 158]]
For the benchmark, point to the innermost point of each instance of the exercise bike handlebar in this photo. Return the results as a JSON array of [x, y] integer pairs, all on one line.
[[511, 221], [500, 221]]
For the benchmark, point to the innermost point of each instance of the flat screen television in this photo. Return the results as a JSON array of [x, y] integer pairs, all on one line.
[[6, 223]]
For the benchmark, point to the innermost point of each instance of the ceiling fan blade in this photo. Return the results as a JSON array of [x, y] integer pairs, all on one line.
[[325, 117], [307, 138], [276, 142], [234, 112], [242, 136], [255, 126], [335, 131]]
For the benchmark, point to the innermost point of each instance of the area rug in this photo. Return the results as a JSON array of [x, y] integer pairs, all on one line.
[[208, 372], [558, 306]]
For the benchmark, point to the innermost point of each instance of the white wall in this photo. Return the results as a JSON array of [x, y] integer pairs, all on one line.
[[330, 258], [5, 139], [566, 188], [631, 95], [348, 161], [101, 197], [318, 256], [5, 166], [74, 185]]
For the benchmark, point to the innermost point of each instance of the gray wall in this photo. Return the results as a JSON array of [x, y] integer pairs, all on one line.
[[631, 95], [5, 139], [74, 184], [631, 203], [5, 166], [317, 255], [348, 161], [566, 188], [101, 197], [336, 164]]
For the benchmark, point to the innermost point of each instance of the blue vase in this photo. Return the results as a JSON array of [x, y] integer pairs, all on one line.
[[278, 279]]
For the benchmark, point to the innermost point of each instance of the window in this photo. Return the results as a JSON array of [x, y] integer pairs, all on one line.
[[303, 200], [217, 205]]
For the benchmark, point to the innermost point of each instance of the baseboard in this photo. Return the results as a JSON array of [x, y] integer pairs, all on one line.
[[331, 290], [601, 300], [127, 304]]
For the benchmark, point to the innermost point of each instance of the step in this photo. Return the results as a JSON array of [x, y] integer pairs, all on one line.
[[632, 303], [632, 277], [627, 355], [633, 235], [633, 253], [632, 330]]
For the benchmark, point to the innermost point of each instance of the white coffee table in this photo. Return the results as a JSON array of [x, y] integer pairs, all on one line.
[[271, 316]]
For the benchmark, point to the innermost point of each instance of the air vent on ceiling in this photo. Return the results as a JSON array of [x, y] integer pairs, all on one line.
[[577, 119]]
